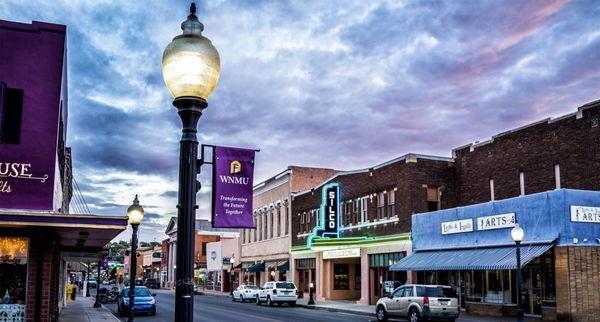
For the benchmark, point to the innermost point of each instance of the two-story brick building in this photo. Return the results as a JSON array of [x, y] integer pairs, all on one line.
[[376, 207]]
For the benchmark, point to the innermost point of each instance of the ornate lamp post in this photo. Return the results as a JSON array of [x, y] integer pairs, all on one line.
[[231, 274], [517, 234], [135, 212], [190, 67], [311, 287]]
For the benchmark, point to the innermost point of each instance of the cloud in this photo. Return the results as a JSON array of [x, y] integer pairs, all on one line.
[[310, 83]]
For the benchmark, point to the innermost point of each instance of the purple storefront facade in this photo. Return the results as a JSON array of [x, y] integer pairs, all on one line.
[[38, 235]]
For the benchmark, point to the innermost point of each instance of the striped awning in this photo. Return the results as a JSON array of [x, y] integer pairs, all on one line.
[[470, 259]]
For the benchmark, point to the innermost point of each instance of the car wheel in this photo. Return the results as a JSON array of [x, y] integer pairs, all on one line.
[[257, 300], [414, 316], [292, 304], [153, 312], [242, 299], [381, 314], [269, 302]]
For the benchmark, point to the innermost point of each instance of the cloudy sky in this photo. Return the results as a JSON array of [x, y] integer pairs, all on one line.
[[341, 84]]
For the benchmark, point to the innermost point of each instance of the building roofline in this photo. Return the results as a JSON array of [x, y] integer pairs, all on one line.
[[547, 120], [378, 166]]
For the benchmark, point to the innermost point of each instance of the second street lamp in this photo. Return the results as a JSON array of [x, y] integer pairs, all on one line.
[[190, 67], [135, 212], [517, 235]]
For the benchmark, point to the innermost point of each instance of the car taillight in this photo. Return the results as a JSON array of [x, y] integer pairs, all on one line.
[[274, 291], [426, 300]]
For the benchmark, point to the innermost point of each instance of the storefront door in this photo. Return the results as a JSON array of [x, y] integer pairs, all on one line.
[[531, 290]]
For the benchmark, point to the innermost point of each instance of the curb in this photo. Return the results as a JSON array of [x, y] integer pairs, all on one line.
[[332, 309], [309, 307]]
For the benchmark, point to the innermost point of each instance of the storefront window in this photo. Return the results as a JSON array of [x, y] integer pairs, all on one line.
[[549, 290], [340, 277], [13, 278], [475, 286], [493, 289], [357, 276]]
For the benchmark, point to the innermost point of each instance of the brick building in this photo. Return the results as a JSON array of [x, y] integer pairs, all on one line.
[[265, 250], [377, 204], [38, 235]]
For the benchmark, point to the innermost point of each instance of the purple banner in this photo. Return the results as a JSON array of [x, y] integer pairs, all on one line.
[[233, 173]]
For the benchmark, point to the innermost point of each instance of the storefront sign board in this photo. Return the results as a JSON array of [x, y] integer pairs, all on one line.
[[496, 221], [457, 226], [585, 214], [341, 253]]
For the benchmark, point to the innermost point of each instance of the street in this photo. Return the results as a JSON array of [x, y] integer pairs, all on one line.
[[219, 309]]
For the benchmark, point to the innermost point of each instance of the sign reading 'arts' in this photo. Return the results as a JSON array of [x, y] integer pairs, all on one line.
[[233, 172]]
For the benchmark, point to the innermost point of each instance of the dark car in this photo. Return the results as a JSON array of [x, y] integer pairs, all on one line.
[[143, 301], [151, 283]]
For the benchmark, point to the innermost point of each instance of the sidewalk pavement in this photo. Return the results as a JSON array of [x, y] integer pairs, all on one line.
[[82, 310]]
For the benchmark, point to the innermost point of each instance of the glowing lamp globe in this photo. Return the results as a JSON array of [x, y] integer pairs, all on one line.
[[190, 63], [135, 212], [517, 233]]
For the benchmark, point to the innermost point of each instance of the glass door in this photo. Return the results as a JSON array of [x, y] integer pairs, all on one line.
[[531, 290]]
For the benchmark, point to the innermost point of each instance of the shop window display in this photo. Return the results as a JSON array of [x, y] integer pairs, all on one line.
[[13, 278]]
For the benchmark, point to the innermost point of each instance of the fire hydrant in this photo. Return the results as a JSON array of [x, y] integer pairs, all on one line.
[[69, 292]]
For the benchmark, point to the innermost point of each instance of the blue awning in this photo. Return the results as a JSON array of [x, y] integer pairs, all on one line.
[[470, 259]]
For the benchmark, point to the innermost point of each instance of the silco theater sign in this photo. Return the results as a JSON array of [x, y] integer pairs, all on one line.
[[16, 171]]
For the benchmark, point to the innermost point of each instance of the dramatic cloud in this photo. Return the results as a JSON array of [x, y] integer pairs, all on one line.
[[316, 83]]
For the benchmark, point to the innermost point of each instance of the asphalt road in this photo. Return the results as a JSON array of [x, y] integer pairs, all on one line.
[[221, 309]]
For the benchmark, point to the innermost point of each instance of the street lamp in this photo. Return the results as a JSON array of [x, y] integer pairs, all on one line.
[[231, 273], [135, 212], [517, 234], [311, 300], [190, 67]]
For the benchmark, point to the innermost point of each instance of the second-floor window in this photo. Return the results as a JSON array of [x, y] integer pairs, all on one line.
[[391, 204], [287, 218], [380, 205], [433, 199], [363, 209]]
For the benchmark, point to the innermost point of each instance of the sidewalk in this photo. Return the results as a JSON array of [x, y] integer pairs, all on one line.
[[339, 306], [82, 310]]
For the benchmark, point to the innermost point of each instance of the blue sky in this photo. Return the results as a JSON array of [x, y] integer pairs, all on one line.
[[339, 84]]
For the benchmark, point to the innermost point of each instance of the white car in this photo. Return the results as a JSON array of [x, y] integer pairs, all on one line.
[[245, 292], [278, 292]]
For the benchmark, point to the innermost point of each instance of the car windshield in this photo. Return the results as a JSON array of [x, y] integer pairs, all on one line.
[[252, 287], [288, 286], [436, 291], [141, 292]]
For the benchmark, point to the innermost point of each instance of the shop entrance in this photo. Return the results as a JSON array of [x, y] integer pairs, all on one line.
[[531, 290]]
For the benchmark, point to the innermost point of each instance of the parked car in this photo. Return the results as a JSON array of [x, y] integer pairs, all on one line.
[[151, 283], [245, 292], [277, 292], [143, 301], [419, 303], [92, 284]]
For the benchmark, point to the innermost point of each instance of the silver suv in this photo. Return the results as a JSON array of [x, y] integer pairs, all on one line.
[[419, 302]]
